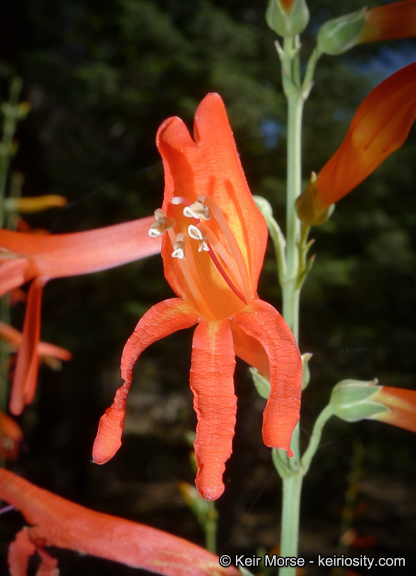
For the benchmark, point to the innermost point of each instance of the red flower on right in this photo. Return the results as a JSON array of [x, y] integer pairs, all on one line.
[[395, 20], [379, 127]]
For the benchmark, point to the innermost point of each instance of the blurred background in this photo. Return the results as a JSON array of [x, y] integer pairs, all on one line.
[[100, 77]]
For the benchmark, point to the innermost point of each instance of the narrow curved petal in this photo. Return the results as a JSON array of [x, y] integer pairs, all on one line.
[[379, 127], [19, 554], [210, 166], [262, 322], [395, 20], [160, 321], [45, 349], [58, 522], [26, 372], [22, 549], [63, 255], [212, 383]]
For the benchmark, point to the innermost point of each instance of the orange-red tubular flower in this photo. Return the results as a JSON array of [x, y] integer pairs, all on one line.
[[401, 405], [10, 437], [214, 239], [34, 203], [55, 521], [389, 22], [379, 127], [39, 258], [48, 353]]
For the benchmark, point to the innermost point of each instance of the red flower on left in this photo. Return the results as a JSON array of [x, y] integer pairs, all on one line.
[[39, 258], [54, 521]]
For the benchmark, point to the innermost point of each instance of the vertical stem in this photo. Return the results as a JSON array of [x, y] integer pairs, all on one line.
[[211, 528], [6, 151], [290, 291], [9, 128], [292, 485], [292, 488]]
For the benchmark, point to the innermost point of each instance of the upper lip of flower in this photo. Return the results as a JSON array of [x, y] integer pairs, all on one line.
[[224, 242], [214, 239]]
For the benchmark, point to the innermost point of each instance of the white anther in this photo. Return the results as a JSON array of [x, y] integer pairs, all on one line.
[[178, 253], [179, 247], [162, 224], [160, 214], [196, 234], [156, 230], [178, 200], [197, 210]]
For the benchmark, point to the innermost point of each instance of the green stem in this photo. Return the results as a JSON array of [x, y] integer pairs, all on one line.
[[294, 183], [6, 149], [210, 528], [315, 439], [10, 110], [292, 485], [292, 488]]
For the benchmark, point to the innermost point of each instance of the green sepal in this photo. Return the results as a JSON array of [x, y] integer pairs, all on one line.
[[360, 412], [351, 400], [261, 383], [283, 463], [306, 375], [340, 34], [309, 209], [287, 23]]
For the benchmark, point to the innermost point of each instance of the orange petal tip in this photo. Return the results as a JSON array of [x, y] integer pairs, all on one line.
[[108, 439]]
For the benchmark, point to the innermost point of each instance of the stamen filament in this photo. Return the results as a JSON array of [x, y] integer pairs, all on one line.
[[187, 265], [232, 242], [227, 261], [224, 274]]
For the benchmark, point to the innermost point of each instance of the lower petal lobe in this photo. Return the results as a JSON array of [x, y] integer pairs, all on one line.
[[262, 322], [160, 321], [212, 383]]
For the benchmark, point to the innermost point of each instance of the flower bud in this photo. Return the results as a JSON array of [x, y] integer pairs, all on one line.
[[353, 400], [339, 35], [287, 17]]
